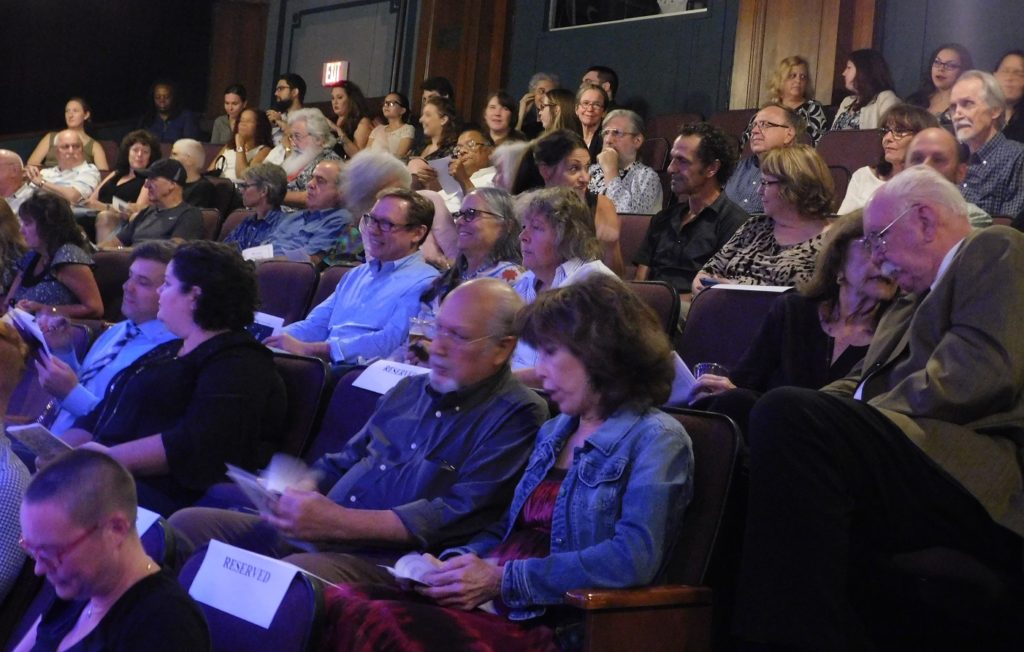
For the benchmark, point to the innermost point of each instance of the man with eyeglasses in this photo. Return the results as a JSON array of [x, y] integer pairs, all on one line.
[[919, 448], [78, 525], [367, 315], [73, 178], [435, 463], [773, 126], [995, 169], [289, 94], [471, 165], [630, 184]]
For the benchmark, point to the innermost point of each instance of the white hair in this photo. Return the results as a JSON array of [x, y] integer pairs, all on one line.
[[636, 123], [991, 91], [921, 184], [369, 172], [193, 149], [6, 153], [318, 126], [543, 76]]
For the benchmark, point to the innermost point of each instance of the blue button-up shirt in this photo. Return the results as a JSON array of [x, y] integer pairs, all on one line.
[[86, 396], [253, 232], [312, 232], [995, 177], [368, 314], [744, 186]]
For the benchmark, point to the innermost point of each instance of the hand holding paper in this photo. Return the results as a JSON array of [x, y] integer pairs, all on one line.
[[464, 582]]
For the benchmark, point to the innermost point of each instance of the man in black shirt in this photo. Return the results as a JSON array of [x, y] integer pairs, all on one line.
[[684, 236]]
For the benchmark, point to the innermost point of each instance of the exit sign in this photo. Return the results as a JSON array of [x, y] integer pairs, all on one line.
[[334, 72]]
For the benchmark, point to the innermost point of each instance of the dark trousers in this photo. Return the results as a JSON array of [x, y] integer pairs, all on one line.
[[833, 481]]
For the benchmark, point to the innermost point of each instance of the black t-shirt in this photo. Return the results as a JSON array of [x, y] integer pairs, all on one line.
[[200, 193], [154, 615]]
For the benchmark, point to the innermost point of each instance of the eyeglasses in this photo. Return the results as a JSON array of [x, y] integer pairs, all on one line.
[[898, 134], [765, 183], [384, 225], [54, 557], [471, 146], [438, 333], [469, 214], [591, 105], [393, 103], [250, 184], [875, 242], [764, 124], [550, 105], [283, 88], [945, 65], [618, 133], [802, 76], [295, 135]]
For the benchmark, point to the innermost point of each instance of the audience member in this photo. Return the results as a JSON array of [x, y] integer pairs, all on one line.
[[866, 76], [73, 178], [226, 126], [684, 236], [177, 414], [591, 103], [498, 118], [353, 124], [12, 178], [945, 65], [790, 86], [79, 386], [56, 272], [436, 87], [506, 159], [77, 118], [314, 231], [78, 520], [139, 149], [396, 135], [915, 449], [471, 164], [367, 316], [939, 150], [197, 190], [632, 186], [166, 118], [12, 247], [465, 431], [13, 474], [528, 121], [559, 248], [440, 127], [289, 94], [899, 125], [248, 144], [604, 77], [558, 111], [773, 126], [778, 248], [311, 142], [168, 216], [812, 337], [262, 193], [600, 504], [1010, 75], [995, 169]]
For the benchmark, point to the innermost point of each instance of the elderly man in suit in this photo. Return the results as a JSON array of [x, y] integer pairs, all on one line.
[[918, 448]]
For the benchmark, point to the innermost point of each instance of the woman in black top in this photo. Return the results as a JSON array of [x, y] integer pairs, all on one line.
[[1010, 74]]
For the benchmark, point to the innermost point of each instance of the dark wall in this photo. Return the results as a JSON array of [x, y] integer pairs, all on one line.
[[108, 51], [676, 64], [911, 30]]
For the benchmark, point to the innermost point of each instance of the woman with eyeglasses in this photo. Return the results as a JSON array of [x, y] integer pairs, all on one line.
[[591, 105], [946, 63], [900, 124], [397, 135], [1010, 75], [778, 248], [557, 111], [262, 193], [631, 185], [790, 86], [867, 77]]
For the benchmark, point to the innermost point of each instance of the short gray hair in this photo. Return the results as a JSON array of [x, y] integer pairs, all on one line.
[[194, 150], [318, 126], [636, 123], [366, 174], [538, 77], [566, 212], [500, 203], [921, 184], [271, 178], [991, 91]]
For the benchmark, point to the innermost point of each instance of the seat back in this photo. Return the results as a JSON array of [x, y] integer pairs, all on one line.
[[225, 197], [841, 180], [111, 148], [305, 380], [285, 288], [211, 223], [295, 628], [716, 442], [347, 412], [632, 231], [664, 299], [111, 272], [667, 126], [329, 279], [211, 151], [722, 323], [852, 149], [654, 152], [733, 122], [232, 221]]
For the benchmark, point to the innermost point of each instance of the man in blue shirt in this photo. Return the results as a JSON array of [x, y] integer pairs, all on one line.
[[79, 386], [368, 314], [315, 230], [773, 126]]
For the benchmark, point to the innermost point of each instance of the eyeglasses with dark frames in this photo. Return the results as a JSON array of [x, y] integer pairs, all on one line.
[[385, 226], [467, 215]]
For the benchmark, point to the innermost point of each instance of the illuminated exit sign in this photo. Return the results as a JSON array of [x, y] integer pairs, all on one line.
[[334, 72]]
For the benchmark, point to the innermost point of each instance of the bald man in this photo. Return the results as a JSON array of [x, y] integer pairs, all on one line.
[[936, 148], [73, 178], [12, 177]]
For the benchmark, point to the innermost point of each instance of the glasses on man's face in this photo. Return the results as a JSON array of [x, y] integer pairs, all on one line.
[[282, 87], [467, 215], [298, 135], [764, 125], [54, 556], [470, 146], [441, 334], [875, 242], [385, 226], [591, 106], [945, 65], [617, 133], [898, 134]]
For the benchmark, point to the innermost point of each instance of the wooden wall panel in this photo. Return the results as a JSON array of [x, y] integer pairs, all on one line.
[[236, 51]]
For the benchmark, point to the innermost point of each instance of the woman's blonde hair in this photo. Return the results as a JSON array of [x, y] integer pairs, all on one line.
[[806, 180], [782, 71], [11, 242]]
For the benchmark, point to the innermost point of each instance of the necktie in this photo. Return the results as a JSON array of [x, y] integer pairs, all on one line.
[[130, 333]]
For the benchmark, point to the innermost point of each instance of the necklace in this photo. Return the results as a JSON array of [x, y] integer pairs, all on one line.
[[91, 609]]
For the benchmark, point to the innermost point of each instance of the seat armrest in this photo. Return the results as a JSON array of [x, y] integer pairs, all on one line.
[[652, 596]]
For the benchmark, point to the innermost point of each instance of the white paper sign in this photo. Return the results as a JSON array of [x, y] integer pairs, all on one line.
[[144, 520], [262, 252], [382, 375], [242, 583], [753, 288], [121, 206], [264, 325], [683, 382]]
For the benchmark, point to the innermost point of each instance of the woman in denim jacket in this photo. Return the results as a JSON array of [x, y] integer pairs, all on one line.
[[599, 505]]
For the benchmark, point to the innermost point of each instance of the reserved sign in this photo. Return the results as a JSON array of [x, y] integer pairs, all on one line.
[[242, 583], [144, 519], [382, 375]]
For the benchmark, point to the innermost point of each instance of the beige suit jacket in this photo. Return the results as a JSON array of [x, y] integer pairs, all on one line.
[[948, 370]]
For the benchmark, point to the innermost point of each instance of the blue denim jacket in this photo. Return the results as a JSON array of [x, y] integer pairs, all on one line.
[[616, 515]]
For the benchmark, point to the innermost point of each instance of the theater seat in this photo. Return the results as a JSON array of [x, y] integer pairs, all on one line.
[[111, 271], [722, 323], [733, 122], [286, 288], [632, 231], [667, 125], [663, 299], [232, 221], [654, 152], [852, 149], [329, 279], [348, 410], [211, 223], [305, 379]]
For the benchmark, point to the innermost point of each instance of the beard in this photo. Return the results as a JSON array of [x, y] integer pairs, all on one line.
[[282, 106]]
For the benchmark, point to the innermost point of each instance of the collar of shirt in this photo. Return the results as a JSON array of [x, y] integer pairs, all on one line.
[[377, 267], [946, 261], [986, 150], [470, 396]]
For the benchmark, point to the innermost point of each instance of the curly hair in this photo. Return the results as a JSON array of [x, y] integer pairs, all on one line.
[[141, 136], [782, 71], [612, 332], [806, 181], [715, 145], [570, 217], [229, 295], [357, 107], [55, 223]]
